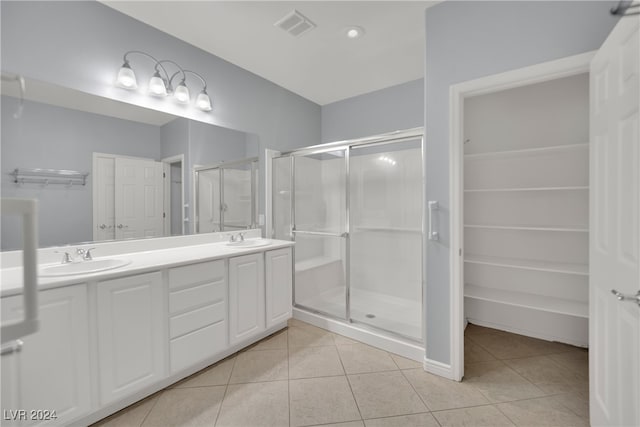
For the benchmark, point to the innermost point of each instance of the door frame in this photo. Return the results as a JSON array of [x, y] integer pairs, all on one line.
[[167, 162], [546, 71]]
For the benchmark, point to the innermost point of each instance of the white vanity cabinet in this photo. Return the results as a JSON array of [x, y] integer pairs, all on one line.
[[278, 275], [197, 313], [246, 297], [51, 372], [131, 321]]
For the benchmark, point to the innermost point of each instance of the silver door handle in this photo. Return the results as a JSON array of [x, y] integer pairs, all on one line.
[[102, 226], [623, 297], [433, 206], [120, 226]]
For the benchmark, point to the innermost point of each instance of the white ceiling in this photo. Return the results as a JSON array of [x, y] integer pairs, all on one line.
[[322, 65]]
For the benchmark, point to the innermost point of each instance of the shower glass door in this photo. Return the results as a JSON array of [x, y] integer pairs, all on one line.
[[385, 213], [320, 232]]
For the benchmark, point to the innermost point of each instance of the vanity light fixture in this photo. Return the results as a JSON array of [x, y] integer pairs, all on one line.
[[161, 84]]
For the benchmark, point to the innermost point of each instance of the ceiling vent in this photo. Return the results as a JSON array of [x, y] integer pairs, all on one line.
[[295, 23]]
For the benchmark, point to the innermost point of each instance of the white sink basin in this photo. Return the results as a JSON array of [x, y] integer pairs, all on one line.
[[83, 267], [251, 243]]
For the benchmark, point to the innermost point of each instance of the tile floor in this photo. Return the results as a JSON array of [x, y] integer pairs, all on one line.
[[305, 376]]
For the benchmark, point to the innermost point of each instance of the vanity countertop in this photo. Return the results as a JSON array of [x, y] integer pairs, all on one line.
[[141, 262]]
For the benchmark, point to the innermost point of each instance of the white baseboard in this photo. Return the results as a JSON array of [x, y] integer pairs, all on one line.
[[438, 368], [527, 321]]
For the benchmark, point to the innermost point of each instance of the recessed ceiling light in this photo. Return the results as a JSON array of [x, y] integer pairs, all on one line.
[[354, 32]]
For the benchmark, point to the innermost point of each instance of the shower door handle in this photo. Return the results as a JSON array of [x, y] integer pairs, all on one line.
[[433, 206]]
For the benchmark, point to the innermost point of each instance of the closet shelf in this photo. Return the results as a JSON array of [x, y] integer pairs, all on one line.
[[561, 228], [525, 264], [526, 300], [527, 151], [514, 189]]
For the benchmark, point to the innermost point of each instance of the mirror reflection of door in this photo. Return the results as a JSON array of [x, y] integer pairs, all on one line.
[[129, 202], [227, 196], [209, 201]]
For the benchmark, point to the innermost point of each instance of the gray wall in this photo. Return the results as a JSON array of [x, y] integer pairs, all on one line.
[[80, 45], [386, 110], [466, 40], [51, 137]]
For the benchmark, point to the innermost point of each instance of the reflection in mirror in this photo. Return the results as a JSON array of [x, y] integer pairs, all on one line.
[[138, 161], [227, 196]]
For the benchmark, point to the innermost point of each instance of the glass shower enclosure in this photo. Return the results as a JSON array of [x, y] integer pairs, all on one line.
[[355, 211]]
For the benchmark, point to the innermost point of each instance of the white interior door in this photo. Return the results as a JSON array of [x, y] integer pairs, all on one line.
[[615, 229], [139, 203], [104, 198], [209, 201]]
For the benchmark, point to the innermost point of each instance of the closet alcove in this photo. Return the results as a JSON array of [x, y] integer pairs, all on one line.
[[526, 209]]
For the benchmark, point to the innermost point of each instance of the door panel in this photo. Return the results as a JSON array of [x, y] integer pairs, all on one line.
[[320, 232], [139, 190], [104, 227], [615, 228]]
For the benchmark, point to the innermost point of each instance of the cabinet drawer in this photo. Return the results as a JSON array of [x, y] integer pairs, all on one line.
[[196, 296], [197, 346], [196, 273], [196, 319]]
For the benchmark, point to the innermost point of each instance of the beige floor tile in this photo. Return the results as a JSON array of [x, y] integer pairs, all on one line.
[[576, 363], [361, 358], [404, 363], [440, 393], [472, 330], [474, 353], [505, 346], [274, 342], [347, 424], [385, 394], [579, 388], [309, 336], [546, 347], [311, 362], [499, 383], [342, 340], [578, 404], [256, 405], [186, 407], [322, 401], [131, 416], [546, 411], [217, 374], [478, 416], [263, 365], [540, 369], [415, 420]]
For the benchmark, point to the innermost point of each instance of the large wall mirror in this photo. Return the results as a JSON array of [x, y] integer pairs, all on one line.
[[103, 170]]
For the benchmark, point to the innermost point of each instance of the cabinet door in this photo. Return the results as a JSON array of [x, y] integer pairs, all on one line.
[[131, 342], [278, 286], [51, 372], [246, 297]]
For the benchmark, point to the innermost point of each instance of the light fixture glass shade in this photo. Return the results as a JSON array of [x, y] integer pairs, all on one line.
[[182, 93], [203, 101], [126, 77], [157, 86]]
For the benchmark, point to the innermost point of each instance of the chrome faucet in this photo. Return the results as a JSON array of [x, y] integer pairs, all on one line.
[[85, 253], [241, 237], [232, 238], [66, 258]]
